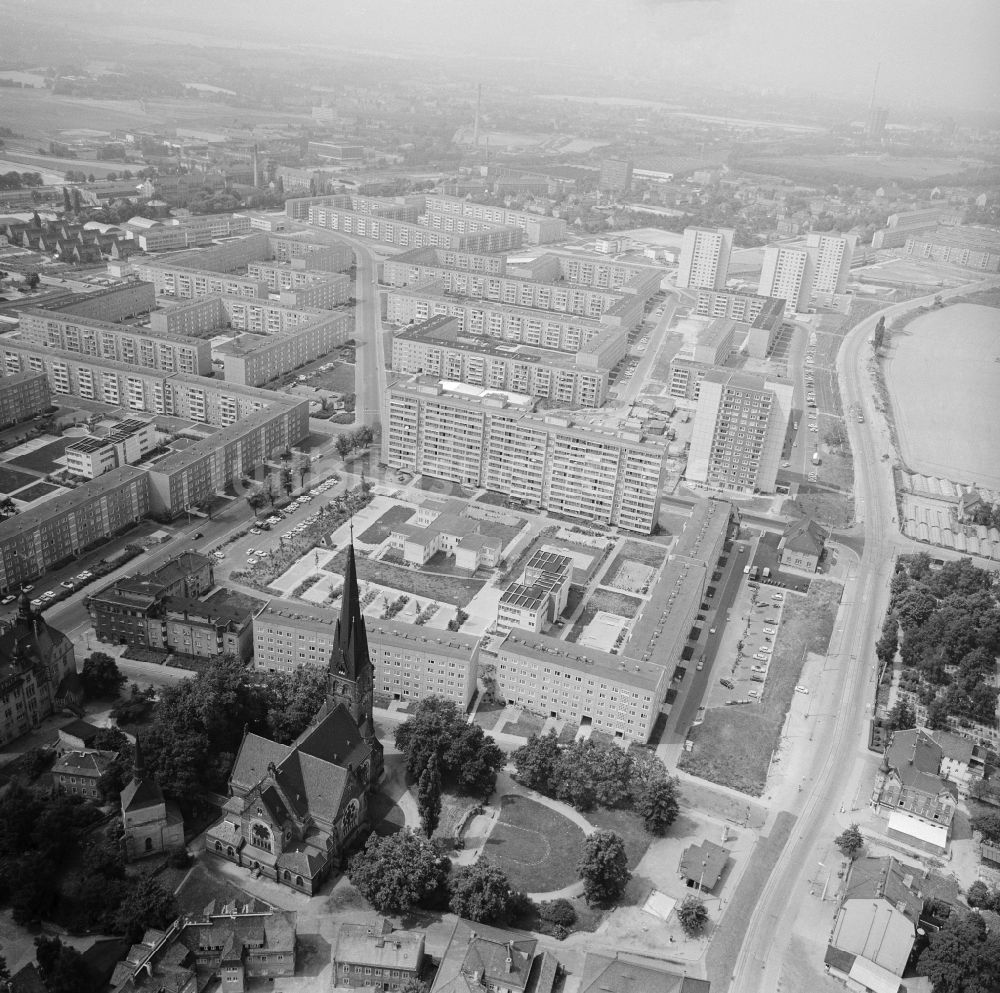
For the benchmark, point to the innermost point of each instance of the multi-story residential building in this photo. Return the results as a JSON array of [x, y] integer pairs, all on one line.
[[377, 956], [537, 228], [411, 661], [480, 437], [787, 273], [309, 287], [148, 348], [128, 442], [704, 260], [37, 671], [203, 629], [23, 395], [764, 328], [616, 176], [740, 305], [967, 247], [34, 540], [739, 431], [421, 267], [436, 347], [588, 270], [109, 304], [831, 261], [592, 340], [570, 682], [713, 346], [906, 224]]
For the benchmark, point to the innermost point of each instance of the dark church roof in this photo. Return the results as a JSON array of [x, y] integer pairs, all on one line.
[[350, 650], [28, 641]]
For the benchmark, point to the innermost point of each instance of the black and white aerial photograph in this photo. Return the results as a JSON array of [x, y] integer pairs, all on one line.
[[499, 497]]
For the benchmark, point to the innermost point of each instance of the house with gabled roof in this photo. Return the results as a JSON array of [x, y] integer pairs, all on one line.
[[802, 545], [377, 955], [623, 973]]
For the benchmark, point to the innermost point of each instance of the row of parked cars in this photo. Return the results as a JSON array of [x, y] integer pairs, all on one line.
[[50, 597]]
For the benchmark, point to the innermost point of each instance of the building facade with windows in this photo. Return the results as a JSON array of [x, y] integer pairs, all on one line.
[[739, 431], [23, 395], [788, 273], [704, 259], [832, 255], [478, 437], [377, 956]]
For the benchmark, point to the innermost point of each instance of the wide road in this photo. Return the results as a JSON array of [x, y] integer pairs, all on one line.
[[765, 948]]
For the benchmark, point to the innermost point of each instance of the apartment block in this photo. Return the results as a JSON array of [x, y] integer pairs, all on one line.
[[614, 308], [377, 956], [146, 347], [739, 305], [593, 341], [23, 395], [480, 437], [308, 287], [109, 304], [411, 661], [831, 261], [713, 346], [586, 270], [764, 328], [538, 229], [616, 176], [788, 273], [186, 282], [969, 248], [34, 541], [437, 348], [704, 260], [255, 360], [621, 697], [899, 227], [739, 431]]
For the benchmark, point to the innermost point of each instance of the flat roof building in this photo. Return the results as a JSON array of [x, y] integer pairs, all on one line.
[[704, 260]]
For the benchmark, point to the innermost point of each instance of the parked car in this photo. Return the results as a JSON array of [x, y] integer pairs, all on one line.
[[37, 602], [753, 694], [770, 630], [8, 599], [49, 595], [727, 683], [27, 588], [699, 666], [67, 584], [801, 689]]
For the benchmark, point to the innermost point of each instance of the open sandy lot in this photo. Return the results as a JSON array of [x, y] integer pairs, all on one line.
[[943, 376]]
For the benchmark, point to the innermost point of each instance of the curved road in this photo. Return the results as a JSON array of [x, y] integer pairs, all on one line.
[[765, 945]]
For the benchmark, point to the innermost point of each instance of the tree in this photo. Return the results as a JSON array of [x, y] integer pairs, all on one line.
[[413, 985], [148, 905], [980, 895], [559, 912], [399, 872], [62, 968], [469, 760], [656, 803], [962, 957], [850, 842], [481, 892], [101, 677], [988, 825], [67, 203], [693, 915], [343, 446], [429, 797], [536, 762], [901, 717], [293, 699], [603, 866], [33, 279]]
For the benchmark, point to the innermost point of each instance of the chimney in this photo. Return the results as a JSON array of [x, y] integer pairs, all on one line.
[[510, 956]]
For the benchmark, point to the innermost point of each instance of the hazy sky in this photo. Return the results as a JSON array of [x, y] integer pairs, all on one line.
[[943, 51], [932, 51]]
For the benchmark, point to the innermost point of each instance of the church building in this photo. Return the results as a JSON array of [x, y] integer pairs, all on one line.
[[37, 672], [152, 823], [294, 809]]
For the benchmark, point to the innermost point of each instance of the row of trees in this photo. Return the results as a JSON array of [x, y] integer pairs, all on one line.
[[588, 773], [351, 440], [404, 871], [18, 180]]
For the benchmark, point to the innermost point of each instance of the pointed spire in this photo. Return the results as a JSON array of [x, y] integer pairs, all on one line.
[[24, 610], [138, 764]]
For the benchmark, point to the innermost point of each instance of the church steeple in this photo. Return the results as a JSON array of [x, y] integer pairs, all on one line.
[[138, 764], [350, 666]]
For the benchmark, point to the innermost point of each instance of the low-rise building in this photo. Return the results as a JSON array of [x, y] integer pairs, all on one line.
[[81, 773], [489, 958], [538, 596], [624, 973], [376, 955], [701, 866], [802, 545], [127, 442], [876, 925], [153, 825]]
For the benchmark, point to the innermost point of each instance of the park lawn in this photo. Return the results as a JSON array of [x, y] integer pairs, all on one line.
[[640, 551], [35, 491], [526, 725], [11, 479], [536, 846], [733, 745], [383, 527], [43, 459], [448, 589]]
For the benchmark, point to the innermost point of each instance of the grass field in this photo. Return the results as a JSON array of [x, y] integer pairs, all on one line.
[[537, 847], [43, 459], [633, 832], [340, 379], [36, 491], [733, 745], [11, 479], [447, 589], [601, 599]]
